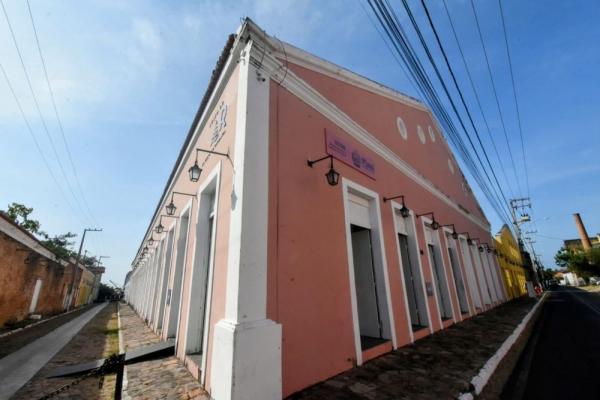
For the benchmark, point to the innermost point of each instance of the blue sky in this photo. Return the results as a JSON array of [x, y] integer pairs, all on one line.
[[128, 77]]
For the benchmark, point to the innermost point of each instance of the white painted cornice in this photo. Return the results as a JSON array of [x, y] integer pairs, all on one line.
[[278, 72]]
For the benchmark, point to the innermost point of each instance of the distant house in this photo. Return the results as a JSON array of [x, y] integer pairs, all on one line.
[[575, 244]]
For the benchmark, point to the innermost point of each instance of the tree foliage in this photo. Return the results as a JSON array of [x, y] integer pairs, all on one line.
[[583, 263], [60, 245], [19, 213]]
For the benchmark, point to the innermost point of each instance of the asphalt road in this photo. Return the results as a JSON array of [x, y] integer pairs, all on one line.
[[562, 358]]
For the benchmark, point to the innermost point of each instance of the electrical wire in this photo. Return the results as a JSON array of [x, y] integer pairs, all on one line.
[[441, 47], [58, 119], [489, 69], [39, 111], [512, 79], [478, 100], [392, 26], [35, 141], [393, 29]]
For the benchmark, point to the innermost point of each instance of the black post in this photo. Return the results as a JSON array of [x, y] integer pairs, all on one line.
[[119, 382]]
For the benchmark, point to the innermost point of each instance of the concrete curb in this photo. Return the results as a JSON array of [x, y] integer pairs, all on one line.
[[5, 334], [479, 381]]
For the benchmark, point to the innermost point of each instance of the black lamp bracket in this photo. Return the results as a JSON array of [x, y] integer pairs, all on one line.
[[181, 193], [212, 152], [401, 196], [313, 162]]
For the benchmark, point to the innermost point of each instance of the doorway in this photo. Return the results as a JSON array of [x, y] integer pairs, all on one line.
[[459, 283], [174, 294], [367, 268], [414, 285], [439, 274], [203, 261], [367, 297], [471, 278], [485, 290], [166, 270]]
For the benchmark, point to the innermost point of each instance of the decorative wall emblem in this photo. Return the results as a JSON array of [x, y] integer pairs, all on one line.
[[218, 124]]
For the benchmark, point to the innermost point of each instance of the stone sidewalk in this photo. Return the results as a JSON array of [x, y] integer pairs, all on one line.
[[166, 378], [439, 366]]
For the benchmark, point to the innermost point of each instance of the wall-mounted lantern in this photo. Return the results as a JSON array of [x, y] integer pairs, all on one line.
[[159, 228], [170, 208], [434, 224], [333, 177], [404, 211], [151, 240], [195, 169], [454, 234]]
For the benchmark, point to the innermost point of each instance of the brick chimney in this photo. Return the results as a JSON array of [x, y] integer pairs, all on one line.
[[585, 240]]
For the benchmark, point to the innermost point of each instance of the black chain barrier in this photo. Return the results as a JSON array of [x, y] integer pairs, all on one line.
[[110, 364]]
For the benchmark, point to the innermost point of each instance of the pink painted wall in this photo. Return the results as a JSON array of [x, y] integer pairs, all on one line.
[[183, 184], [308, 282]]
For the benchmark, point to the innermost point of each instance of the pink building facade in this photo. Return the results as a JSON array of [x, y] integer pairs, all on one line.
[[271, 276]]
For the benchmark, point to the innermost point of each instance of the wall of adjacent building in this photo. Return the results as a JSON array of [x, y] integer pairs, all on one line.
[[511, 263], [20, 269]]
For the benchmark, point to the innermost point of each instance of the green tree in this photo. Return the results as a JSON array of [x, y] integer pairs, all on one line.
[[583, 263], [19, 213], [60, 245]]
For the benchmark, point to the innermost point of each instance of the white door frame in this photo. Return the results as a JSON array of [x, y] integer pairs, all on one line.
[[375, 214], [396, 207], [213, 177]]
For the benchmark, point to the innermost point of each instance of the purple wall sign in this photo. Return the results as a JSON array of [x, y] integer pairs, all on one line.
[[347, 153]]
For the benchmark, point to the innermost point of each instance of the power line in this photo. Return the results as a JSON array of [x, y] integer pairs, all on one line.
[[389, 21], [454, 108], [35, 141], [478, 100], [441, 47], [489, 69], [58, 119], [393, 27], [39, 111], [512, 78]]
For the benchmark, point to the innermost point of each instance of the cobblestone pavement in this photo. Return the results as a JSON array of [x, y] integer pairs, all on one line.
[[88, 345], [439, 366], [166, 378], [17, 340]]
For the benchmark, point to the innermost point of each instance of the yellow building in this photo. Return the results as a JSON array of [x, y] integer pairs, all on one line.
[[511, 263]]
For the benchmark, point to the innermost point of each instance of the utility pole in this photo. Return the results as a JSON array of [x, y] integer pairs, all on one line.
[[520, 205], [99, 259], [75, 272]]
